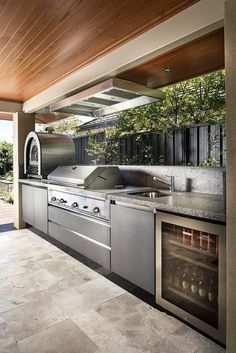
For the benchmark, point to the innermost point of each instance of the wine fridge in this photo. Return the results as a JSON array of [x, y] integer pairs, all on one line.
[[191, 272]]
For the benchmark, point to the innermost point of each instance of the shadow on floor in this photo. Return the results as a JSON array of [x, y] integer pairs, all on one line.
[[6, 227]]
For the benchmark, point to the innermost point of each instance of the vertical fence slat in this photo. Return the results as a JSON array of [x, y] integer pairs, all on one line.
[[192, 146], [203, 143], [179, 147], [169, 151]]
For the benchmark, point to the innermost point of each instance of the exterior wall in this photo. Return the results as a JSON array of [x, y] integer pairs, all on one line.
[[230, 48], [22, 125]]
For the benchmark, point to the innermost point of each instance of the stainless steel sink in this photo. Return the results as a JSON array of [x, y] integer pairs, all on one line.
[[149, 194]]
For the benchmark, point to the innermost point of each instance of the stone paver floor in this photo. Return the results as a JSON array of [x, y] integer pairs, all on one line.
[[52, 303]]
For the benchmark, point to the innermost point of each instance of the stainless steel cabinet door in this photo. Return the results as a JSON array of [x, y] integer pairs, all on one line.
[[40, 206], [132, 245], [27, 204]]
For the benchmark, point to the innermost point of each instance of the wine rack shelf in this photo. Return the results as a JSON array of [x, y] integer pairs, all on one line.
[[194, 262], [192, 300], [192, 248]]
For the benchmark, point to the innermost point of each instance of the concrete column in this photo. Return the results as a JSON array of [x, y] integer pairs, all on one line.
[[230, 65], [22, 125]]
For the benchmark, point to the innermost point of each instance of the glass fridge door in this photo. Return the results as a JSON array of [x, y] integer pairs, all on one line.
[[190, 271]]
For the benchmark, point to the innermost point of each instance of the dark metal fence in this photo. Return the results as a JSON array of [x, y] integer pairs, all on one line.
[[181, 146]]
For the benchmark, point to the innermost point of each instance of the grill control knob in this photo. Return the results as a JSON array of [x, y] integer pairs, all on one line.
[[74, 204], [96, 210], [62, 201], [54, 199]]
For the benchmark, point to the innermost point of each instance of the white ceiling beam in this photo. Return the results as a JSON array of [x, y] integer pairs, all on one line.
[[197, 20]]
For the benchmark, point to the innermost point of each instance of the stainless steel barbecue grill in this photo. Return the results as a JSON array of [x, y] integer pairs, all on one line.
[[68, 185], [79, 212]]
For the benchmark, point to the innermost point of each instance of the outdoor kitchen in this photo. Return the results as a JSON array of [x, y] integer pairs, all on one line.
[[161, 228], [117, 200]]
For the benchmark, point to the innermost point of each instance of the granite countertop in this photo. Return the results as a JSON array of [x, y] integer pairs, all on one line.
[[79, 190], [199, 205], [206, 206], [35, 182]]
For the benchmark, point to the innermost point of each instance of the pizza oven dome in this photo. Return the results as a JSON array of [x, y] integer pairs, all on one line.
[[44, 152]]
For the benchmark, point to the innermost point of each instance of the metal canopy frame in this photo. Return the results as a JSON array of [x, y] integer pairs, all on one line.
[[108, 97]]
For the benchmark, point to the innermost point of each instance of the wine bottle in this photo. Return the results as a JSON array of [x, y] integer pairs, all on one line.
[[202, 288], [177, 277], [186, 280], [194, 284], [212, 291]]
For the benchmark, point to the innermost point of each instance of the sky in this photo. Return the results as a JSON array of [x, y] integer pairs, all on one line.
[[6, 130]]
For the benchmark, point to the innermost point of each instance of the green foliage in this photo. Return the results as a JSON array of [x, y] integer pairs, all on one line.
[[7, 196], [104, 151], [197, 101], [64, 126], [9, 176], [209, 162], [6, 153]]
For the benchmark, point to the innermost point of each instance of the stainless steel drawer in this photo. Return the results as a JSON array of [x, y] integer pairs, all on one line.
[[91, 228], [89, 248]]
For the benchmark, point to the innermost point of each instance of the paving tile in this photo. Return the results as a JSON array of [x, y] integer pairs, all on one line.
[[208, 346], [11, 269], [40, 279], [141, 324], [187, 339], [87, 296], [33, 317], [59, 268], [7, 342], [164, 346], [121, 306], [105, 334], [64, 265], [161, 322], [65, 337], [68, 283], [119, 323]]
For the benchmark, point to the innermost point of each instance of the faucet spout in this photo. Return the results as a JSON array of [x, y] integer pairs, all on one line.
[[170, 184]]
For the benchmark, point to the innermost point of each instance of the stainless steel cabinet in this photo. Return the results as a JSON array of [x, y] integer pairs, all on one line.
[[89, 236], [40, 209], [132, 245], [27, 204], [190, 271], [34, 207]]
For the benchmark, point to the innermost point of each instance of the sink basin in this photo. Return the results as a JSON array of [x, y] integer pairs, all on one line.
[[149, 194]]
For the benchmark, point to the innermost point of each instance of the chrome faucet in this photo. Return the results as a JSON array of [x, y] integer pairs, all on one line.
[[171, 184]]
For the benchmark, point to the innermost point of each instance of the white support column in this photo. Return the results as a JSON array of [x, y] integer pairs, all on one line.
[[230, 65], [22, 125]]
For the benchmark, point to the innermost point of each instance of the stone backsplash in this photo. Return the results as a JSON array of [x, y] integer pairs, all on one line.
[[194, 179]]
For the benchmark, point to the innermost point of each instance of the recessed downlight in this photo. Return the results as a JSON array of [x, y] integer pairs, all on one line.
[[167, 69]]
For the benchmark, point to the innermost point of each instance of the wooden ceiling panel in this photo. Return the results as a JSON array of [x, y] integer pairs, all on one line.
[[42, 41], [198, 57]]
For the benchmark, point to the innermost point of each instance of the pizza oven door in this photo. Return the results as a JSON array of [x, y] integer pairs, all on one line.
[[32, 157]]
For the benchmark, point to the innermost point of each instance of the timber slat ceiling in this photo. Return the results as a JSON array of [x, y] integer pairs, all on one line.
[[42, 41], [196, 58]]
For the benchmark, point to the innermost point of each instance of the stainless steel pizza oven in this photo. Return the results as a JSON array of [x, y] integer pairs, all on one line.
[[44, 152]]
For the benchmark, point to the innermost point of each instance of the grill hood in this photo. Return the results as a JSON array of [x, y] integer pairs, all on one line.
[[107, 98], [89, 177]]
